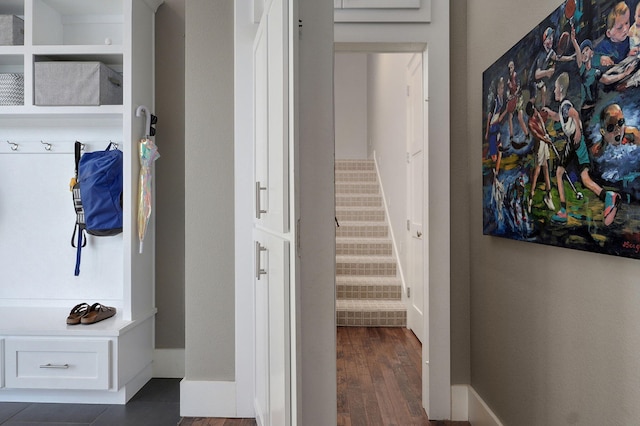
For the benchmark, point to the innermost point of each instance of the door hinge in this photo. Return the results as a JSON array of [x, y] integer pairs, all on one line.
[[408, 292]]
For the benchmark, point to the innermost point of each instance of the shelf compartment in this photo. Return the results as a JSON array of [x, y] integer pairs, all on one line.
[[11, 80], [73, 22], [12, 7]]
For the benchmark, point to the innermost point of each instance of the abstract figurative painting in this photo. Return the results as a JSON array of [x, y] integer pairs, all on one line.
[[561, 138]]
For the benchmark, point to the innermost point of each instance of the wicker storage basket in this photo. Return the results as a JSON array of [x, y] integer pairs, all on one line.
[[11, 89]]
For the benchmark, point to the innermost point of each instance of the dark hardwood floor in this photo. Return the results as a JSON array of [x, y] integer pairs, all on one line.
[[203, 421], [380, 378], [379, 381]]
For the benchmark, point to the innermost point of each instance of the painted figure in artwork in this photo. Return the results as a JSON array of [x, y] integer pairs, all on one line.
[[634, 31], [495, 117], [615, 46], [515, 104], [545, 67], [615, 50], [589, 76], [540, 155], [576, 152], [616, 156]]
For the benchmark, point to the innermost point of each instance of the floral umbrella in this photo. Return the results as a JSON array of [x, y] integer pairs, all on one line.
[[148, 154]]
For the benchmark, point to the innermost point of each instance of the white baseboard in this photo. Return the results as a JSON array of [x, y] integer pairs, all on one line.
[[207, 399], [460, 403], [467, 405], [168, 363], [479, 412]]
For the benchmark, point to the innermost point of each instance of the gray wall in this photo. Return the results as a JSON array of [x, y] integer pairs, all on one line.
[[460, 234], [554, 332], [170, 211], [350, 94], [209, 195], [315, 269]]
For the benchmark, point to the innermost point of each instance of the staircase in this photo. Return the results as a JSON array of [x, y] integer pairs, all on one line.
[[367, 285]]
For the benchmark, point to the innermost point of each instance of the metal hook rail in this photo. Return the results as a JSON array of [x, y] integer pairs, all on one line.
[[53, 147]]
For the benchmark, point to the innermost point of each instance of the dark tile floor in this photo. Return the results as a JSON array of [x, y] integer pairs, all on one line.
[[157, 404]]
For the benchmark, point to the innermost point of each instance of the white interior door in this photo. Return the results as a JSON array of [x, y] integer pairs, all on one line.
[[415, 174], [271, 82]]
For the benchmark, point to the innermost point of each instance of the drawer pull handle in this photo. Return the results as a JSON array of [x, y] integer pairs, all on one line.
[[62, 366], [259, 270], [259, 210]]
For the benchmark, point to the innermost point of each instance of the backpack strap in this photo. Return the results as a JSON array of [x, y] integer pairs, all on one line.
[[79, 233], [79, 237], [77, 150]]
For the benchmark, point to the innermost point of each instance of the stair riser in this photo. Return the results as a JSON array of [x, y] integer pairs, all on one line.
[[360, 176], [384, 269], [360, 216], [364, 249], [362, 231], [362, 291], [354, 165], [355, 188], [372, 318], [359, 201]]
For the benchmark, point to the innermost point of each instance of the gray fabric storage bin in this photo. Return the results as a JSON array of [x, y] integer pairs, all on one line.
[[11, 89], [76, 84], [11, 30]]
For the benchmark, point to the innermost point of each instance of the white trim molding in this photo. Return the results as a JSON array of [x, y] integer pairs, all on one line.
[[460, 403], [199, 398], [467, 405]]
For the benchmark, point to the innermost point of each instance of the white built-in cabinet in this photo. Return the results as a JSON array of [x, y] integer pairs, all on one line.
[[272, 386], [273, 236], [42, 358], [382, 10]]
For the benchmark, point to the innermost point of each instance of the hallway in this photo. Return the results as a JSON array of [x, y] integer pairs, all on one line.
[[379, 378], [378, 381]]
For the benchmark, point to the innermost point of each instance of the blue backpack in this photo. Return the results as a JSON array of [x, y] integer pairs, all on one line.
[[97, 196]]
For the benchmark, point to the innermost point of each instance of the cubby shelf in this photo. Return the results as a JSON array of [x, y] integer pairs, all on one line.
[[37, 216]]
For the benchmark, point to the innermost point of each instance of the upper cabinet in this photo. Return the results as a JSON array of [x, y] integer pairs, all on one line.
[[382, 10]]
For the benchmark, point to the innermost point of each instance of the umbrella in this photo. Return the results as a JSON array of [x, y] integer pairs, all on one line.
[[148, 154]]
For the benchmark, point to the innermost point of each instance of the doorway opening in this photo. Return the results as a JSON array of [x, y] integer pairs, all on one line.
[[380, 125]]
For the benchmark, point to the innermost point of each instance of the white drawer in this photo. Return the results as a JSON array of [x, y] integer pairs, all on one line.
[[57, 363]]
